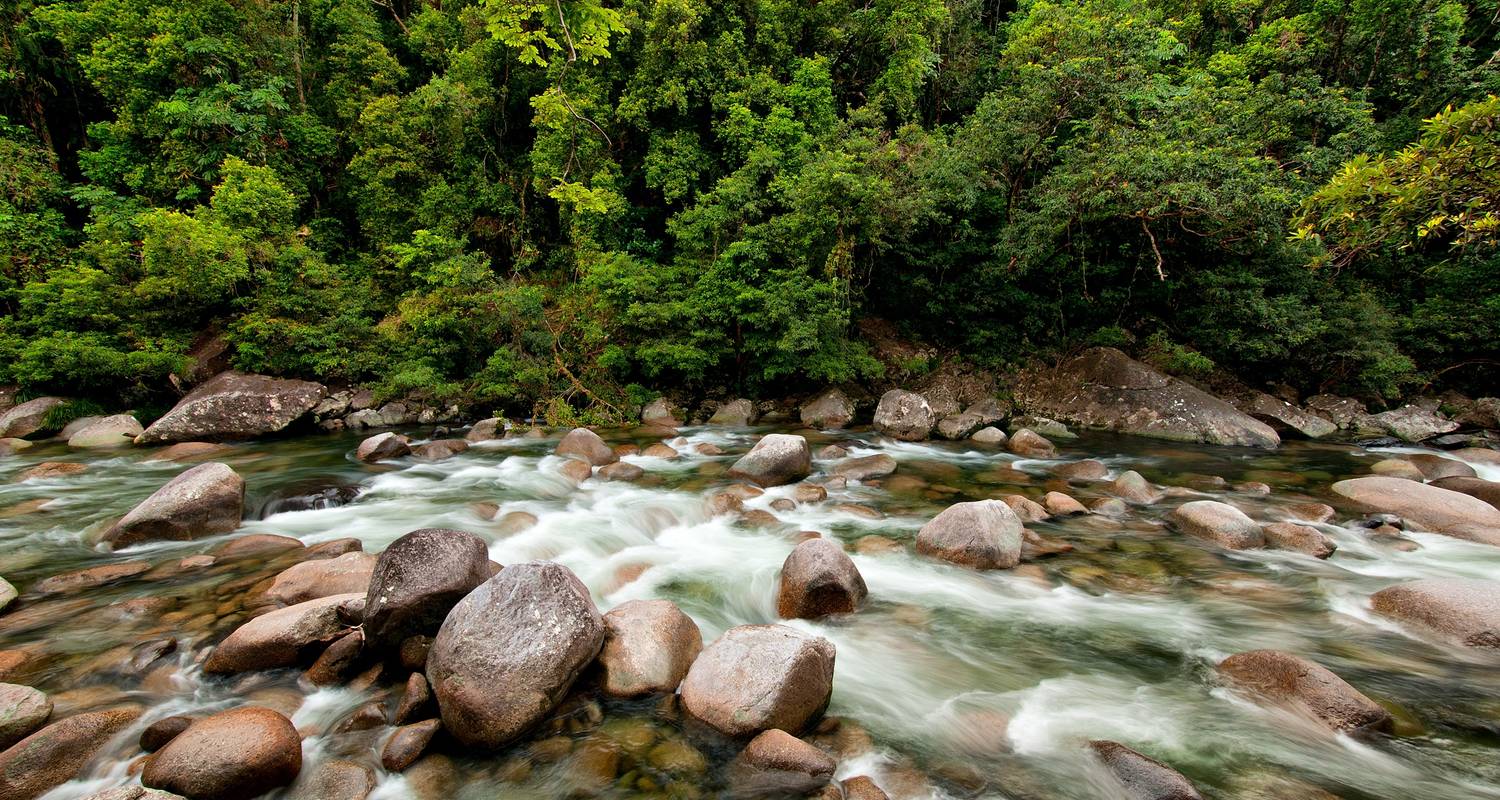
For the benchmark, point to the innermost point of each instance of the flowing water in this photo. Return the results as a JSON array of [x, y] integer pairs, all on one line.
[[949, 682]]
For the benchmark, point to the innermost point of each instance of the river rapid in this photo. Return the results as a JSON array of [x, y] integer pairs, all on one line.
[[948, 683]]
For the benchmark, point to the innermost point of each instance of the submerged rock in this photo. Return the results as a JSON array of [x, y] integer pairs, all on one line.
[[1299, 538], [1220, 523], [758, 677], [648, 647], [232, 755], [418, 578], [585, 445], [205, 500], [1460, 609], [235, 405], [1307, 686], [1107, 390], [819, 579], [1143, 777], [984, 534], [439, 449], [55, 754], [777, 459], [1431, 507], [510, 650], [904, 415]]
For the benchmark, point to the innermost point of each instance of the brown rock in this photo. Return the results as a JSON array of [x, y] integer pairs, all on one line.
[[1435, 467], [408, 744], [576, 470], [310, 580], [1306, 686], [862, 787], [382, 447], [648, 647], [418, 578], [866, 468], [1143, 777], [55, 754], [1220, 523], [1397, 468], [660, 450], [758, 677], [256, 544], [904, 415], [1300, 538], [1026, 509], [1311, 512], [819, 579], [189, 451], [232, 755], [22, 711], [830, 410], [984, 534], [1433, 508], [334, 780], [777, 459], [27, 418], [776, 763], [281, 638], [415, 700], [510, 650], [340, 661], [1488, 491], [585, 445], [1061, 505], [52, 469], [620, 471], [439, 449], [1030, 444], [1132, 488], [159, 733], [1086, 470], [205, 500], [1460, 609], [91, 577]]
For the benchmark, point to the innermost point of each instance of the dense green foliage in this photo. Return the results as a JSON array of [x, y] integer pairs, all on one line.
[[533, 202]]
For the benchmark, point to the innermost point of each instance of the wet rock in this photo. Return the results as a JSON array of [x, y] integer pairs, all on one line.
[[585, 445], [1061, 505], [864, 512], [22, 711], [959, 426], [984, 534], [735, 413], [620, 471], [189, 451], [408, 744], [310, 580], [991, 436], [415, 700], [866, 467], [1488, 491], [1437, 467], [367, 716], [776, 763], [1478, 455], [777, 459], [382, 447], [256, 544], [11, 445], [1220, 523], [203, 501], [1431, 507], [1299, 538], [235, 405], [809, 493], [334, 780], [439, 449], [118, 430], [55, 754], [875, 545], [340, 661], [308, 496], [281, 638], [132, 793], [904, 415], [1397, 468], [49, 470], [513, 522], [1132, 488], [1463, 610], [818, 579], [660, 450], [862, 787], [1107, 390], [1285, 418], [648, 647], [1030, 444], [1411, 423], [1311, 512], [1026, 509], [830, 410], [1109, 506], [232, 755], [1143, 777], [159, 733], [91, 577], [510, 650], [576, 470], [487, 430], [1306, 686], [418, 578], [1086, 470], [758, 677], [27, 418]]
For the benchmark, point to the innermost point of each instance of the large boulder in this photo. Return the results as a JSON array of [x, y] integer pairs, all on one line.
[[984, 534], [56, 753], [418, 579], [663, 412], [648, 647], [383, 446], [904, 415], [830, 410], [585, 445], [206, 500], [1488, 491], [735, 413], [1143, 777], [1220, 523], [1284, 417], [233, 755], [310, 580], [1107, 390], [510, 650], [1307, 687], [1460, 609], [758, 677], [22, 710], [1429, 507], [817, 579], [27, 418], [281, 638], [1411, 423], [235, 405], [777, 459], [118, 430]]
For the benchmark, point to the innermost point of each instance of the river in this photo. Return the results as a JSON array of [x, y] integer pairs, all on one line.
[[949, 682]]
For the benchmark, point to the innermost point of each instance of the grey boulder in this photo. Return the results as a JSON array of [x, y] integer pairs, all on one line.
[[235, 405], [203, 501]]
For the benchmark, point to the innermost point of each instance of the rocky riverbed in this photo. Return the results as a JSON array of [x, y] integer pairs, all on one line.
[[748, 612]]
